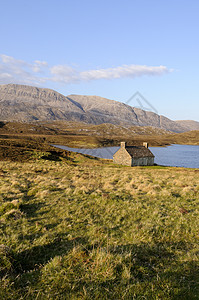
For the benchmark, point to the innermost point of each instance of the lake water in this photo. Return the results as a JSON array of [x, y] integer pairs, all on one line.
[[175, 155]]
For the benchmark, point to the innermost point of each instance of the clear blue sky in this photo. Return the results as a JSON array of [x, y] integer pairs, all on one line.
[[106, 48]]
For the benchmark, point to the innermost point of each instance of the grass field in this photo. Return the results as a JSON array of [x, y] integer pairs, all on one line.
[[76, 227]]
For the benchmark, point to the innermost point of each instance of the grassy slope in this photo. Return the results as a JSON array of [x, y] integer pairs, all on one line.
[[84, 135], [82, 228]]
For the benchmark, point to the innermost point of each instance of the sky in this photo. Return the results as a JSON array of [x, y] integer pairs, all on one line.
[[107, 48]]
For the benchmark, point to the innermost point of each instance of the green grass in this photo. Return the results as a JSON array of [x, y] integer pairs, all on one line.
[[85, 228]]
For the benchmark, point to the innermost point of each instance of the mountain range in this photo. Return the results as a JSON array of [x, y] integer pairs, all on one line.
[[28, 104]]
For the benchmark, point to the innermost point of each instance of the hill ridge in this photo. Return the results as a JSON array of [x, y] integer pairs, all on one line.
[[29, 103]]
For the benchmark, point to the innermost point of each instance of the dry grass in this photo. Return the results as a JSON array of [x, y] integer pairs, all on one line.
[[89, 229]]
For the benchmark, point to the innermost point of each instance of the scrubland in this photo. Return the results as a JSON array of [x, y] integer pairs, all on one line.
[[85, 228], [76, 134]]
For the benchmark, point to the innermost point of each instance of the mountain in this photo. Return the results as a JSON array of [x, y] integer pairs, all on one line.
[[110, 111], [189, 124], [28, 103]]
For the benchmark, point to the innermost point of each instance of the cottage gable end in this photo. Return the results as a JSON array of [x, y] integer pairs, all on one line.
[[122, 157]]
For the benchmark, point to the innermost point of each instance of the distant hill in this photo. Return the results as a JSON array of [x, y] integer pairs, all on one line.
[[28, 104], [189, 124]]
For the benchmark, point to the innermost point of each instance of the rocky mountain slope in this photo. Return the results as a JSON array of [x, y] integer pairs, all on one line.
[[188, 124], [27, 104]]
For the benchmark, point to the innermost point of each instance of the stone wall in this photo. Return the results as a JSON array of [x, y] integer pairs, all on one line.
[[122, 157], [143, 161]]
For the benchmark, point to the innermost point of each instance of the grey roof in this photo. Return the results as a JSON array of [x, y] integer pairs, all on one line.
[[139, 151]]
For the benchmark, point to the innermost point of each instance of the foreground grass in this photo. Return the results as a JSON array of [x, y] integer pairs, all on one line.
[[89, 229]]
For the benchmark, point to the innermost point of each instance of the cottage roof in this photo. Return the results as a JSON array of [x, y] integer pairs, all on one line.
[[139, 151]]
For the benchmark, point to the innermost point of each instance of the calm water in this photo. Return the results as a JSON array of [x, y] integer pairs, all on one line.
[[176, 155]]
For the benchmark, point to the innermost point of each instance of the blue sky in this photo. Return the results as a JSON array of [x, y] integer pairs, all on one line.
[[106, 48]]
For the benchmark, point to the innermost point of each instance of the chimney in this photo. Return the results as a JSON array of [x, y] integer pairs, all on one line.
[[123, 144], [145, 145]]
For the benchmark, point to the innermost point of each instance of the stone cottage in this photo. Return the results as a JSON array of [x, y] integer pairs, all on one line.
[[134, 155]]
